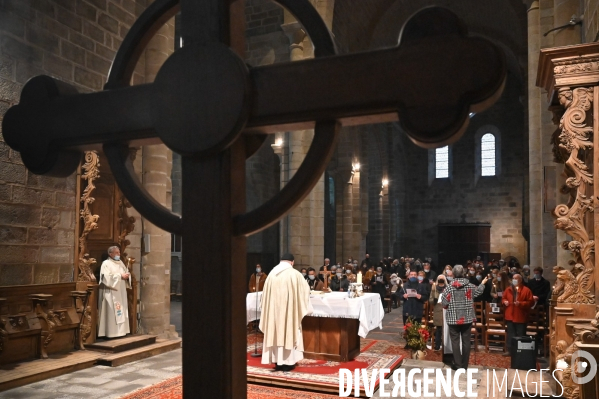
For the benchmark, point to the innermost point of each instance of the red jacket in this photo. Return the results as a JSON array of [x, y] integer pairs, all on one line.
[[517, 313]]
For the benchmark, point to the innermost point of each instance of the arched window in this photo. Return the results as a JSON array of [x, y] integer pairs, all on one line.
[[442, 162], [487, 155]]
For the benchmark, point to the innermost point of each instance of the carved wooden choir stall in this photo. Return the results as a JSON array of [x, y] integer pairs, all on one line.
[[41, 319], [571, 77], [209, 106]]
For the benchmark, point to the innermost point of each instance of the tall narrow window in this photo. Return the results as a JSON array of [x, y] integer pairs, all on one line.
[[442, 162], [487, 155]]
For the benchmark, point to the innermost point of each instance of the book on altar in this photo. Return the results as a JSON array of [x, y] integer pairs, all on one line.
[[411, 293]]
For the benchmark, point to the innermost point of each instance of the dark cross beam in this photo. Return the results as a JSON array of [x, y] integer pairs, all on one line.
[[207, 105]]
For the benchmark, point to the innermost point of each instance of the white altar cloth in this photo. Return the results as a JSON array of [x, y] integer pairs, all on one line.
[[368, 308], [252, 311]]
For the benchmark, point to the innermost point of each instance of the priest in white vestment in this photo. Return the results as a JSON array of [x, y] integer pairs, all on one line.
[[112, 300], [285, 302]]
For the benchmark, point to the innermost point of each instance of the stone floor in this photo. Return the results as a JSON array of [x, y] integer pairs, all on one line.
[[102, 381], [114, 382]]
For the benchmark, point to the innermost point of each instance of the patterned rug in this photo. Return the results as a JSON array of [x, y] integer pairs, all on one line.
[[480, 358]]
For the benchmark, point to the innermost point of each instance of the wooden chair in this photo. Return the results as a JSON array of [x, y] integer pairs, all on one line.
[[388, 300], [479, 324], [537, 326], [425, 313], [494, 328]]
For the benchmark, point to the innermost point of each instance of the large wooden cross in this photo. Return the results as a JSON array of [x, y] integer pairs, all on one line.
[[209, 106]]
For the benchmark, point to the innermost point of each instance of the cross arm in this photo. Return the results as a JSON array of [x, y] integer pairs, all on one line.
[[52, 117], [204, 95], [429, 85]]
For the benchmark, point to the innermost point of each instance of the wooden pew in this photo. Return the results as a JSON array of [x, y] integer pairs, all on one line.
[[40, 320]]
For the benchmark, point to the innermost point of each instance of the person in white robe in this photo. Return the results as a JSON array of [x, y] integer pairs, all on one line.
[[112, 299], [285, 302]]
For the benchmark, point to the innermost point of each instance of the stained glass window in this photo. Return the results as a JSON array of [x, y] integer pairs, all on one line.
[[442, 162], [487, 155]]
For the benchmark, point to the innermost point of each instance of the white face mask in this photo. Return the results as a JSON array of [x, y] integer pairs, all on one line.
[[348, 271], [311, 277], [304, 274], [258, 270], [339, 274], [117, 258], [515, 282]]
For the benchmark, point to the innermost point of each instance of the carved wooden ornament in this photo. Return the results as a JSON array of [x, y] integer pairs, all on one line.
[[209, 106]]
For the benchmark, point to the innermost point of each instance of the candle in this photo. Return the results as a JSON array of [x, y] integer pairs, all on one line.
[[359, 278]]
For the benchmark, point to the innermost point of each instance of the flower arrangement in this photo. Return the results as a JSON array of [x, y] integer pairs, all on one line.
[[416, 334]]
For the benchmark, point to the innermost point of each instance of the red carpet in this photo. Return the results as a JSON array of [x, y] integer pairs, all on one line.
[[172, 389], [313, 375], [320, 375]]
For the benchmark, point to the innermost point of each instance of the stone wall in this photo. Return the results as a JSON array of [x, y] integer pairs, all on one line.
[[497, 200], [74, 41], [591, 20]]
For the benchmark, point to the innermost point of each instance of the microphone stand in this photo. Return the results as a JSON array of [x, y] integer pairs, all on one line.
[[256, 354]]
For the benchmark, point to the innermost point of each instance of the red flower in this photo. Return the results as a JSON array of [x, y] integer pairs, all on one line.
[[456, 284], [448, 297], [469, 294], [461, 320]]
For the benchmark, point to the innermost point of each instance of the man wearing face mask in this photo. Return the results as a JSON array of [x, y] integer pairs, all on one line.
[[113, 311], [525, 274], [333, 273], [379, 283], [314, 283], [339, 281], [517, 300], [430, 274], [540, 287], [257, 279], [413, 305]]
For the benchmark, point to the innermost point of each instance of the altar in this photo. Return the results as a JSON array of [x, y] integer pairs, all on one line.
[[333, 330]]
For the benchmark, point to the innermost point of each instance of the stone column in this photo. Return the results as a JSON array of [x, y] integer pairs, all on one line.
[[156, 169], [535, 162], [303, 229], [563, 10]]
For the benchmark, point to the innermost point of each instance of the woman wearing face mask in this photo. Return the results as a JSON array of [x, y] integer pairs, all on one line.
[[448, 274], [436, 291], [379, 283], [339, 282], [472, 277], [396, 283], [423, 280], [257, 279], [351, 277], [304, 272]]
